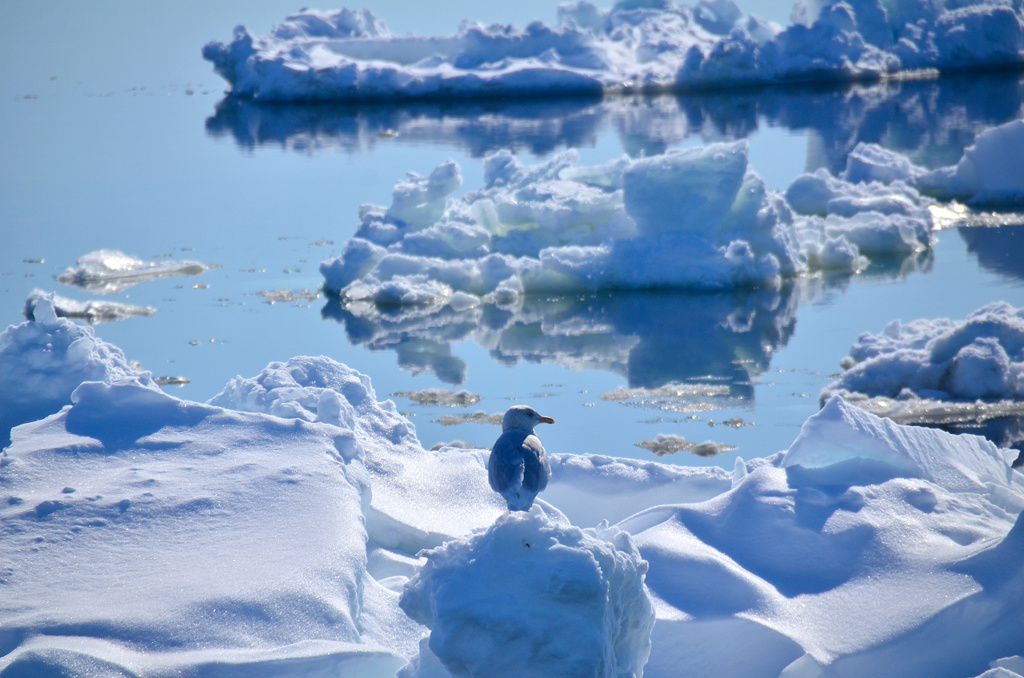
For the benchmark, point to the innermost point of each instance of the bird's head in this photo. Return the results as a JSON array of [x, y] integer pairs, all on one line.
[[523, 418]]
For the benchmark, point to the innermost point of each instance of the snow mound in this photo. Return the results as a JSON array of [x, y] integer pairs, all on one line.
[[112, 271], [635, 46], [405, 476], [797, 563], [185, 538], [935, 370], [43, 361], [535, 596], [557, 226]]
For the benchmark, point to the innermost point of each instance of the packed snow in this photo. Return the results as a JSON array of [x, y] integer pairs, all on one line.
[[651, 45], [295, 525]]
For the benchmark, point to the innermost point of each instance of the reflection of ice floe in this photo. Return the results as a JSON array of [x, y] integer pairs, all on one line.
[[649, 46], [709, 346], [535, 126], [699, 219], [91, 311], [930, 121], [111, 271], [998, 248]]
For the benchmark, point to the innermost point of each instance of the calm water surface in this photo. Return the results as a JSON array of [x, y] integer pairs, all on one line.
[[116, 137]]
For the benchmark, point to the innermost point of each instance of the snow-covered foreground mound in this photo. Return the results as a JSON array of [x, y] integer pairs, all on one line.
[[635, 46], [557, 226], [941, 370], [277, 531], [535, 596]]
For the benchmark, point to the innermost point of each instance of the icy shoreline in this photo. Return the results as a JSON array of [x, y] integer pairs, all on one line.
[[289, 516], [650, 46]]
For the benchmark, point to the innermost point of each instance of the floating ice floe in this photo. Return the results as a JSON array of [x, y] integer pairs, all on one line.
[[111, 271], [696, 219], [652, 45], [939, 371], [867, 548], [91, 311]]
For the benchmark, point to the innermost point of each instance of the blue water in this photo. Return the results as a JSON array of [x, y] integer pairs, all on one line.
[[114, 134]]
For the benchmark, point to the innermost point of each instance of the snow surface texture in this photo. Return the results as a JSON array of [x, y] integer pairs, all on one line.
[[557, 226], [941, 370], [278, 529], [650, 45]]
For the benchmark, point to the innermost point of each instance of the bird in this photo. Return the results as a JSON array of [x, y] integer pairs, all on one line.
[[518, 468]]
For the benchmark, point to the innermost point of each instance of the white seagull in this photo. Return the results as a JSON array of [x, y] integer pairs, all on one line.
[[518, 468]]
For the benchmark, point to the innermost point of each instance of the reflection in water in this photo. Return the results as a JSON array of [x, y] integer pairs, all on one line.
[[998, 249], [717, 343], [679, 351], [538, 126], [931, 121]]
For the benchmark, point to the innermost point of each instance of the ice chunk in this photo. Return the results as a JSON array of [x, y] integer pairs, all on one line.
[[535, 596], [92, 311], [559, 226], [111, 271], [841, 433]]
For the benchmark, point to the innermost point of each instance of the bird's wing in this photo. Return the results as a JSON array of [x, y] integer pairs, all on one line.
[[505, 467], [536, 470]]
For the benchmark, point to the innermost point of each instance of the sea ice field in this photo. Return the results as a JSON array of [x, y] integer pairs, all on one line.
[[267, 291]]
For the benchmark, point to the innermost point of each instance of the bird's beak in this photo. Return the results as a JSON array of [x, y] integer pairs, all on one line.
[[546, 420]]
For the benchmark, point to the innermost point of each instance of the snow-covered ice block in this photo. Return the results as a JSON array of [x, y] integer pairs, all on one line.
[[850, 554], [697, 218], [535, 596]]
